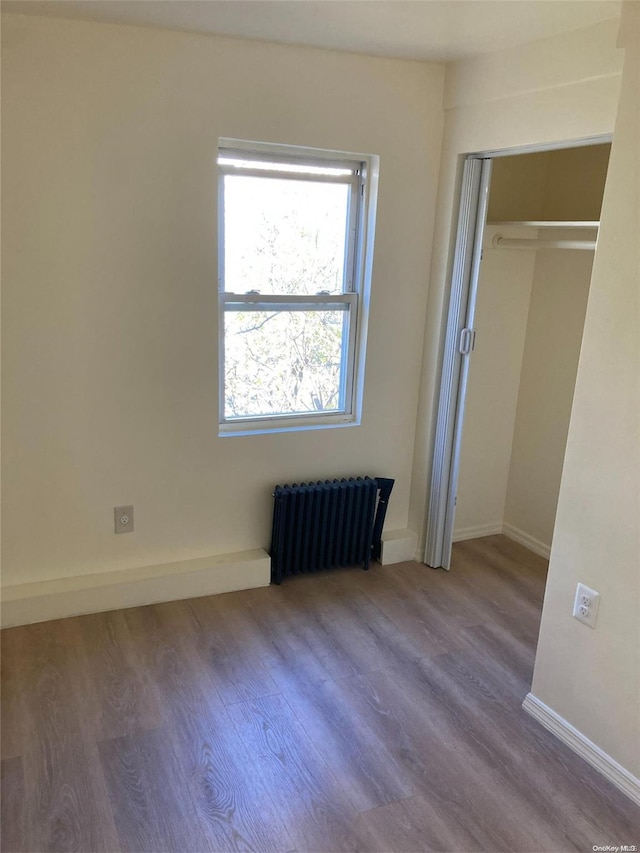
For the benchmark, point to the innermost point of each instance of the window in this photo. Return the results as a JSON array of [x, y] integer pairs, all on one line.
[[292, 287]]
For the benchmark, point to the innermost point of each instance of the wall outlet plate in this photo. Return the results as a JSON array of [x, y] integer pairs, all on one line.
[[123, 519], [586, 604]]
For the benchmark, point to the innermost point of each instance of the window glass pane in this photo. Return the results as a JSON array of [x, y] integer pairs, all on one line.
[[284, 362], [284, 236]]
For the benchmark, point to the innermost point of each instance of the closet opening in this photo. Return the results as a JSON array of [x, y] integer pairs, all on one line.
[[527, 232]]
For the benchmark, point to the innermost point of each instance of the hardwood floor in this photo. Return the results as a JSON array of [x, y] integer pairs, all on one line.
[[350, 710]]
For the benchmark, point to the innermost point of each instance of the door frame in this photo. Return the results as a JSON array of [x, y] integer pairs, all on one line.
[[460, 339]]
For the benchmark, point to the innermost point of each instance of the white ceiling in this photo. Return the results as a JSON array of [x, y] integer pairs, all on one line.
[[439, 30]]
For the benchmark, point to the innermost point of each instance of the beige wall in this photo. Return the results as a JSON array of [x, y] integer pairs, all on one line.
[[563, 88], [502, 308], [520, 74], [574, 183], [518, 187], [558, 91], [565, 184], [109, 274], [554, 334], [592, 677], [529, 320]]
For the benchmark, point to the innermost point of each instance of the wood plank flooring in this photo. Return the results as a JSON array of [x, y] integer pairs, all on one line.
[[349, 710]]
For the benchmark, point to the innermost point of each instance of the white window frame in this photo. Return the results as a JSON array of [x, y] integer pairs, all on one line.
[[362, 176]]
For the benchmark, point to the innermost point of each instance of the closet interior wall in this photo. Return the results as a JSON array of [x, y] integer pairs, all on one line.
[[530, 314]]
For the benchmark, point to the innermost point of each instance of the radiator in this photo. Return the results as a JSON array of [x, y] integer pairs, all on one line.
[[327, 524]]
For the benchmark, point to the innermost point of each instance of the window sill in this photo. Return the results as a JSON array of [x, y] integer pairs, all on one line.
[[300, 425]]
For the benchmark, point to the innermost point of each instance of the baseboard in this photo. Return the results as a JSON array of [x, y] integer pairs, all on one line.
[[463, 533], [398, 546], [582, 746], [56, 599], [530, 542]]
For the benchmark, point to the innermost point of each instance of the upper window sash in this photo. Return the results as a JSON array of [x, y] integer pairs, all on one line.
[[352, 173]]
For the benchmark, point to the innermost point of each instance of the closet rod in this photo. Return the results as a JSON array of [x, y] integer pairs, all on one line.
[[500, 242]]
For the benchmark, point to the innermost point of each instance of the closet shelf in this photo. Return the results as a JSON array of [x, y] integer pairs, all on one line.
[[588, 242], [546, 223]]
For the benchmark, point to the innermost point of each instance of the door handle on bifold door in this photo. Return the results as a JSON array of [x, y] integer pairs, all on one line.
[[467, 341]]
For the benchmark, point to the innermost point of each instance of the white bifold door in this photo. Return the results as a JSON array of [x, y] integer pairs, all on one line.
[[458, 346]]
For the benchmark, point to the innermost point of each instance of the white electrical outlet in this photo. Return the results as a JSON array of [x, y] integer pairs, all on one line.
[[585, 605], [123, 519]]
